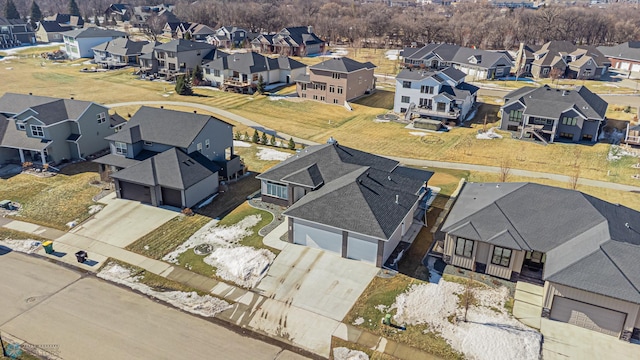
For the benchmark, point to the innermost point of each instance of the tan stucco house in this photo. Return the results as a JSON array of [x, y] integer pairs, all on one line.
[[583, 250]]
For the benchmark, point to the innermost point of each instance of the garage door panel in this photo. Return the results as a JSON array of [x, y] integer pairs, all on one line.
[[317, 238], [171, 197], [135, 192], [635, 67], [588, 316], [363, 250]]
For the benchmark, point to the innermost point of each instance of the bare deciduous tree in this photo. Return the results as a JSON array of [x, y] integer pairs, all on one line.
[[505, 170], [573, 179]]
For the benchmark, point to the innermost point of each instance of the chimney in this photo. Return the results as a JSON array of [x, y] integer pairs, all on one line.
[[397, 198]]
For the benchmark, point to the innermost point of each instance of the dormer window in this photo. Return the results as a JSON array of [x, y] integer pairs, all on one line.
[[21, 126], [37, 131]]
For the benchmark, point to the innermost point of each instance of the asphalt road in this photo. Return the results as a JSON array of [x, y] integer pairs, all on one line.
[[79, 316]]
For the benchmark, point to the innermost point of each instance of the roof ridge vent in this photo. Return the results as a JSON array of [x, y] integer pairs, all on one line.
[[332, 141], [397, 198]]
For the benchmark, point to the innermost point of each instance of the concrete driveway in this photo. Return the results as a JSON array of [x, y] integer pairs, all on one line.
[[565, 341], [122, 222], [317, 281]]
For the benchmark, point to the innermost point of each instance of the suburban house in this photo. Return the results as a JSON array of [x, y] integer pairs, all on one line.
[[583, 250], [177, 57], [336, 81], [15, 32], [171, 28], [477, 64], [551, 114], [241, 72], [141, 14], [72, 22], [197, 32], [228, 37], [563, 57], [624, 56], [354, 204], [49, 130], [166, 157], [291, 41], [121, 52], [118, 13], [438, 95], [79, 43], [50, 31]]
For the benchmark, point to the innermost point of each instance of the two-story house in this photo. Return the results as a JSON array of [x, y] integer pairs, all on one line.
[[241, 71], [345, 201], [15, 32], [166, 157], [581, 251], [625, 56], [121, 52], [228, 37], [291, 41], [551, 114], [336, 81], [475, 63], [51, 130], [176, 57], [567, 59], [79, 43], [50, 29], [439, 95]]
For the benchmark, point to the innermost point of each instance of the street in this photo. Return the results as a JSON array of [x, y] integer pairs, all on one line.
[[79, 316]]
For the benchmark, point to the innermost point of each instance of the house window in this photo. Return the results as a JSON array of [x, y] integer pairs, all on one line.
[[322, 87], [406, 84], [216, 72], [339, 89], [332, 89], [321, 98], [277, 190], [303, 87], [315, 97], [207, 144], [37, 131], [21, 126], [335, 75], [102, 117], [121, 148], [335, 101], [566, 135], [501, 256], [426, 89], [199, 147], [464, 247], [405, 99], [569, 121], [304, 95], [403, 110], [515, 115], [148, 143]]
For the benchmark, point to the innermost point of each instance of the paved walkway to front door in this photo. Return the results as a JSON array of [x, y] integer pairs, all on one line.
[[527, 306]]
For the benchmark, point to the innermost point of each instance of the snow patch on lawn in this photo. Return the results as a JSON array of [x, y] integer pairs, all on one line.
[[206, 305], [243, 265], [8, 58], [417, 133], [489, 333], [94, 209], [25, 246], [343, 353], [238, 143], [271, 154], [358, 321]]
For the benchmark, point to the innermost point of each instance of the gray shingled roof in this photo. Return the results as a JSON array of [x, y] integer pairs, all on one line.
[[52, 26], [116, 160], [252, 62], [342, 65], [124, 46], [169, 127], [184, 45], [552, 50], [603, 258], [93, 32], [628, 51], [456, 54], [356, 190], [172, 168], [50, 110], [11, 137], [12, 103], [551, 103]]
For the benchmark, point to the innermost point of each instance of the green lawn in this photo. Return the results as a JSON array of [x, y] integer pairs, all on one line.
[[52, 201]]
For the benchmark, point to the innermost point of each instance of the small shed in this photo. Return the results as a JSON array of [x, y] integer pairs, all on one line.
[[427, 124]]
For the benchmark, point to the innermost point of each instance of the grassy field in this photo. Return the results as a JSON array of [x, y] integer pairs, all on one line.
[[9, 234], [52, 201], [384, 66], [593, 85], [383, 291]]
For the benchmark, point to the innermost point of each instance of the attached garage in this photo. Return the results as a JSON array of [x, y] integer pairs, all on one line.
[[635, 67], [363, 250], [317, 236], [171, 197], [135, 192], [588, 316]]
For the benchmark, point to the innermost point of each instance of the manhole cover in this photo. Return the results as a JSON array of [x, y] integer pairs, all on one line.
[[203, 249], [30, 300]]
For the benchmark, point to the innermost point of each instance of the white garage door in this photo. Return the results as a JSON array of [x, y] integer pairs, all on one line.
[[624, 65], [363, 250], [588, 316], [316, 237], [635, 67]]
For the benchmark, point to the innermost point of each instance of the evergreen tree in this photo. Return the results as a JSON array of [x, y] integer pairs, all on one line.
[[187, 36], [183, 85], [292, 144], [238, 135], [36, 14], [246, 136], [264, 138], [260, 85], [10, 10], [272, 142], [73, 8], [256, 137], [197, 76]]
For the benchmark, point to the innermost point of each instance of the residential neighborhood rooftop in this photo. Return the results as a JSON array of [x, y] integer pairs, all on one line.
[[342, 65]]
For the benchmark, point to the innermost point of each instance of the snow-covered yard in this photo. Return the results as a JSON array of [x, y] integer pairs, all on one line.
[[242, 265], [205, 305], [343, 353], [489, 333], [268, 154], [25, 246]]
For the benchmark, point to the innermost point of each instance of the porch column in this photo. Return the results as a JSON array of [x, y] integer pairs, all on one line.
[[43, 157], [21, 156], [553, 130]]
